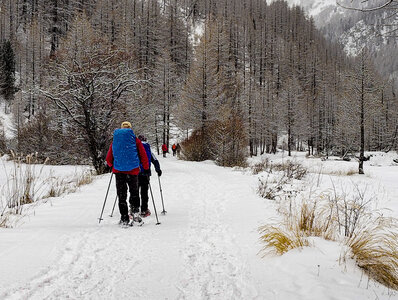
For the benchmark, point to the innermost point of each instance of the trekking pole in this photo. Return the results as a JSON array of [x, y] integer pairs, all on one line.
[[113, 209], [153, 201], [161, 195], [106, 196]]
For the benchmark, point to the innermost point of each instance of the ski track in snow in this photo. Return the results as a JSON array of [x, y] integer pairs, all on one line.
[[100, 262], [213, 267], [86, 268], [205, 248]]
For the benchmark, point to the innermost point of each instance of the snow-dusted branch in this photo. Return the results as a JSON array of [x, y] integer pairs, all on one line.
[[378, 7]]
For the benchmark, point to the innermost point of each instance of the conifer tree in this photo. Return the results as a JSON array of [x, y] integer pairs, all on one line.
[[7, 67]]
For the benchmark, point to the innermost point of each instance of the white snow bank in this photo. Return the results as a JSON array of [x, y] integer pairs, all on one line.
[[207, 247]]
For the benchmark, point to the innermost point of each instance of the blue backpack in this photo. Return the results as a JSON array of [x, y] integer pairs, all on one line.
[[125, 154]]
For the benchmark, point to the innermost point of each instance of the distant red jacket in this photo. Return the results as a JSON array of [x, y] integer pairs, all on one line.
[[141, 154], [164, 148]]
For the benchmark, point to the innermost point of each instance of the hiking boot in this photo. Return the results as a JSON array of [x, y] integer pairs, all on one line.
[[134, 210], [146, 213], [137, 218], [124, 220]]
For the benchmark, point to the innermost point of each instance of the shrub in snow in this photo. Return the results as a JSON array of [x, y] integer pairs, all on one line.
[[270, 188], [226, 145], [290, 169], [280, 240], [261, 166], [58, 144], [372, 239], [28, 183], [375, 250], [194, 148], [23, 185], [59, 186]]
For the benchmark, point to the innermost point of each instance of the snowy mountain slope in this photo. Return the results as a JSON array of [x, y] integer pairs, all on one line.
[[207, 247], [355, 30], [314, 7]]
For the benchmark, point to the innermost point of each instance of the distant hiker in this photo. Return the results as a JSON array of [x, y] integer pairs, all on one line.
[[164, 149], [125, 155], [178, 149], [143, 177], [174, 148]]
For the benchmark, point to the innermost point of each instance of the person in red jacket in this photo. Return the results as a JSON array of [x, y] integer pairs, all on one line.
[[164, 149], [128, 178]]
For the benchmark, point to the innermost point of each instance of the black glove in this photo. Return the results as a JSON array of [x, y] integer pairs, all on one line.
[[147, 172], [159, 172]]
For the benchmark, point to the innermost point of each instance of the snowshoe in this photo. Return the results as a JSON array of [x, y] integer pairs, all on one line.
[[124, 223], [146, 213], [135, 218]]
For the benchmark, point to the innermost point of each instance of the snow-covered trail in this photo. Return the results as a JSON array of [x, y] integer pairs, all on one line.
[[193, 254], [205, 248]]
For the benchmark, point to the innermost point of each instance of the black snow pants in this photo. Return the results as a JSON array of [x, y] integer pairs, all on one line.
[[122, 182], [143, 182]]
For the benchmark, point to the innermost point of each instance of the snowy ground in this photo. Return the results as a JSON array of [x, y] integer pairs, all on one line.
[[207, 246]]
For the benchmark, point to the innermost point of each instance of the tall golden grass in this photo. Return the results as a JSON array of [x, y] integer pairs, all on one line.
[[375, 250], [26, 184], [372, 240], [281, 239]]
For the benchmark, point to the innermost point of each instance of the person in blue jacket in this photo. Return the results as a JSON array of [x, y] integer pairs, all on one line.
[[143, 177]]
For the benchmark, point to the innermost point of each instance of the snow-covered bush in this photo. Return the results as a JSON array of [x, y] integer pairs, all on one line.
[[27, 182], [4, 216], [283, 174], [372, 239], [58, 144], [193, 148], [290, 169], [261, 166], [59, 186], [226, 145], [270, 188], [23, 185]]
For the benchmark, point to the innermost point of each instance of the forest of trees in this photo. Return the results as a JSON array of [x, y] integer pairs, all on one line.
[[256, 77]]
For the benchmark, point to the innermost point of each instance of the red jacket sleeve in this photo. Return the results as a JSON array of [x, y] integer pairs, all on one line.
[[142, 154], [109, 156]]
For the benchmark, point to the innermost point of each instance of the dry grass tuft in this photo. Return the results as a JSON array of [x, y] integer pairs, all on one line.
[[270, 189], [289, 169], [4, 219], [27, 183], [261, 166], [279, 239], [375, 250], [292, 170], [59, 186], [84, 178], [23, 185], [372, 240], [349, 172]]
